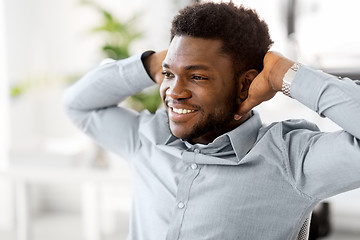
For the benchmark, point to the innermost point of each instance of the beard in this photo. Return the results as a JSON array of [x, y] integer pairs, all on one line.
[[216, 122]]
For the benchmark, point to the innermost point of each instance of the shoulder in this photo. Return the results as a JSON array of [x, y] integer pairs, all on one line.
[[290, 127], [297, 124], [288, 140]]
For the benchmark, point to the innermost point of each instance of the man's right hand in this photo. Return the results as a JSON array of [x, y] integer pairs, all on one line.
[[153, 65]]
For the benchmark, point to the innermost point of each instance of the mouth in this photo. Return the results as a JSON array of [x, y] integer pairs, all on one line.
[[180, 114], [182, 110]]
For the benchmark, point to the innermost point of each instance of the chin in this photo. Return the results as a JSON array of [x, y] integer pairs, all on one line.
[[179, 133]]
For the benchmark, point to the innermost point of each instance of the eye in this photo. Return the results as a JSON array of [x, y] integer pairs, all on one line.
[[167, 74], [197, 77]]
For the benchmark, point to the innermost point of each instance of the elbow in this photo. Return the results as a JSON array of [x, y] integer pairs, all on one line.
[[70, 106], [68, 101]]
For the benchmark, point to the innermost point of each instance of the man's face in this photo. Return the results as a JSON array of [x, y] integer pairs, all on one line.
[[198, 90]]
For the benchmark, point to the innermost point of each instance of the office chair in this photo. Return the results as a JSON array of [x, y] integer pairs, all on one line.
[[304, 231], [318, 224]]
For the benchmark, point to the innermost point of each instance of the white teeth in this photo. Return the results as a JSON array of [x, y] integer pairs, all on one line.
[[182, 111]]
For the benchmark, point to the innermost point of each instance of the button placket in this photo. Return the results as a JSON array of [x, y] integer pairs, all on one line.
[[193, 166], [182, 197], [181, 205]]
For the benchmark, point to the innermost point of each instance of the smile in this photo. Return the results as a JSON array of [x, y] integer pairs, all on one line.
[[182, 111]]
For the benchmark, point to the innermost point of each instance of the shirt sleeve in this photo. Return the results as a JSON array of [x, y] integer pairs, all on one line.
[[92, 104], [326, 164], [329, 96]]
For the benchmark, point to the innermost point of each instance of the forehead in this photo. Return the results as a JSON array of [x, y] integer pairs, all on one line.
[[186, 50]]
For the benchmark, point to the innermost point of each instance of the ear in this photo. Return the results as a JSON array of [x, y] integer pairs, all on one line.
[[244, 83]]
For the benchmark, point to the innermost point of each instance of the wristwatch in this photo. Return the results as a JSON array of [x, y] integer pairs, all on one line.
[[289, 78]]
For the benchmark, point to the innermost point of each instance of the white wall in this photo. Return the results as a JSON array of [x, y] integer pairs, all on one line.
[[6, 206], [4, 99], [54, 37], [327, 33]]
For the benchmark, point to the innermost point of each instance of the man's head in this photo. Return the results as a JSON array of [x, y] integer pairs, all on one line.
[[245, 37], [215, 52]]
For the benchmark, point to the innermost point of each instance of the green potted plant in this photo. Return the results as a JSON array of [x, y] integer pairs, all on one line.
[[118, 36]]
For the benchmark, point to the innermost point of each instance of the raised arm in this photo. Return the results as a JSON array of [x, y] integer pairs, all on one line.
[[92, 102], [319, 164], [339, 100]]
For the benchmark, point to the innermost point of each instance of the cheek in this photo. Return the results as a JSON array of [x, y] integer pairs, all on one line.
[[220, 101]]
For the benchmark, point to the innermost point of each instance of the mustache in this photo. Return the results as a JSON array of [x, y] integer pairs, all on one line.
[[183, 102]]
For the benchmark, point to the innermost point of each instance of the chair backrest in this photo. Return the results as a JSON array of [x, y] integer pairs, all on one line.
[[304, 231]]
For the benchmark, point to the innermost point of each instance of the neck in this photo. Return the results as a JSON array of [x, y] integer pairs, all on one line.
[[211, 136]]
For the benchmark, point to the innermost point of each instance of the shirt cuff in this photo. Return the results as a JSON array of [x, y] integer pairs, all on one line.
[[145, 55], [308, 86], [134, 73]]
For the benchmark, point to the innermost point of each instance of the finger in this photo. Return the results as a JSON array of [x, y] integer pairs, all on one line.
[[246, 106]]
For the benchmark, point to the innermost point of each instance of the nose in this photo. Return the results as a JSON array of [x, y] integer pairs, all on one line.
[[178, 89]]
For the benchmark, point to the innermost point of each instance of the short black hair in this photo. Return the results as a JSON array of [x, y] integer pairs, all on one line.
[[244, 35]]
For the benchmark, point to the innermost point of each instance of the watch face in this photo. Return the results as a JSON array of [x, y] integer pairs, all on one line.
[[289, 76]]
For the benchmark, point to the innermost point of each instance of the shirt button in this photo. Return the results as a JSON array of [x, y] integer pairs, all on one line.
[[181, 205], [194, 166], [196, 150]]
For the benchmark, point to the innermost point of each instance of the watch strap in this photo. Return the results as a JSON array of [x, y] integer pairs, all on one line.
[[288, 79]]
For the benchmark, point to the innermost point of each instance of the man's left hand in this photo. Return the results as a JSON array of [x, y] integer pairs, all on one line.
[[267, 83]]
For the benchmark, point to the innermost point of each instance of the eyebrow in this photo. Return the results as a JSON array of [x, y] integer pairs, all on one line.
[[165, 65], [190, 67]]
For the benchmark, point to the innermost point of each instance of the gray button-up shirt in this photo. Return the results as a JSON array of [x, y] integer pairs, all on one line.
[[255, 182]]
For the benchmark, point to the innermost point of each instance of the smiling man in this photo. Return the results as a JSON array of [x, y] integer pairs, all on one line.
[[199, 89], [204, 166]]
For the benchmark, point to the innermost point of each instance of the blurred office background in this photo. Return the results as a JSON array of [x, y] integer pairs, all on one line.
[[57, 184]]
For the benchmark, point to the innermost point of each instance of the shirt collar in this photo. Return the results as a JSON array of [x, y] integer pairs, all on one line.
[[244, 136], [240, 139]]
